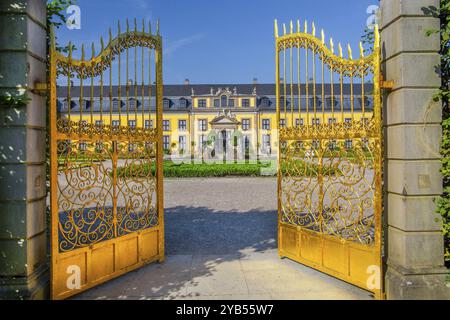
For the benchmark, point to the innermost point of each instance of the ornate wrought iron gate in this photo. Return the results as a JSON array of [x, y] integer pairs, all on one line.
[[330, 159], [106, 160]]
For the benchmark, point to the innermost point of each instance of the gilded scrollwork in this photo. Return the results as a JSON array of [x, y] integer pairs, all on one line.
[[328, 186], [136, 187], [85, 193]]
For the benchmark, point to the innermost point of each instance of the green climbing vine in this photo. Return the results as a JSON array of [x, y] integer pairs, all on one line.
[[443, 202]]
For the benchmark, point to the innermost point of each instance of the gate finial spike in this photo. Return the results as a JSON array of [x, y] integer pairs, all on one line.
[[284, 29], [110, 37], [70, 50], [292, 27], [135, 25], [376, 32], [128, 26], [313, 29], [323, 36], [118, 27], [331, 45], [340, 50], [157, 27], [82, 52], [143, 25], [275, 24], [52, 38], [361, 50], [102, 43], [149, 27], [306, 27], [350, 55], [298, 26], [93, 50]]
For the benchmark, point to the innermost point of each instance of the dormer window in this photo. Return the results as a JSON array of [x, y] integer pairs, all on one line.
[[183, 103], [166, 103], [265, 102]]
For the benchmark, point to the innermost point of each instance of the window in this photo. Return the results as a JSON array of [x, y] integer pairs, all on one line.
[[348, 122], [245, 103], [246, 143], [82, 146], [282, 123], [98, 123], [99, 146], [332, 145], [182, 125], [266, 124], [116, 123], [202, 103], [266, 143], [348, 144], [202, 141], [224, 100], [231, 103], [332, 120], [183, 103], [299, 122], [115, 104], [166, 125], [166, 103], [132, 124], [202, 125], [315, 121], [182, 143], [132, 103], [265, 102], [166, 142], [216, 103], [148, 124], [245, 124]]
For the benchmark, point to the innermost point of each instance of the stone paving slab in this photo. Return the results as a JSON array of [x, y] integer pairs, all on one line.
[[221, 241]]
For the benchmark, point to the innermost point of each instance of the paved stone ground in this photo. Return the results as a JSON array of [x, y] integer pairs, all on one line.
[[221, 244]]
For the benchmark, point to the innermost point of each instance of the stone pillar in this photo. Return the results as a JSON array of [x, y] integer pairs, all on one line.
[[415, 250], [23, 237]]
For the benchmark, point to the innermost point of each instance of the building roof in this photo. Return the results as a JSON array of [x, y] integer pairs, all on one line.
[[179, 97], [171, 90]]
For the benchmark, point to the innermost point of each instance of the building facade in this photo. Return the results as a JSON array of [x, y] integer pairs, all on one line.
[[215, 119]]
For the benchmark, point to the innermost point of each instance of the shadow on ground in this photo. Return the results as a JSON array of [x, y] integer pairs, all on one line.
[[202, 231]]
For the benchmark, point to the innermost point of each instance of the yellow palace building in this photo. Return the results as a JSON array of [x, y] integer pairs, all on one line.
[[217, 116]]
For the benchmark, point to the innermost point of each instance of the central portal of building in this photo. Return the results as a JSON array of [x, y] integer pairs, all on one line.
[[226, 130]]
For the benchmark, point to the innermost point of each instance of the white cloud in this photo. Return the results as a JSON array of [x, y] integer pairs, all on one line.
[[174, 46]]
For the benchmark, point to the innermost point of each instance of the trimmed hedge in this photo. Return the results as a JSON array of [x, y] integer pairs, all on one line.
[[222, 170]]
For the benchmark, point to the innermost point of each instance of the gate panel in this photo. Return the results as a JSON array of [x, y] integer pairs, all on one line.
[[330, 157], [106, 161]]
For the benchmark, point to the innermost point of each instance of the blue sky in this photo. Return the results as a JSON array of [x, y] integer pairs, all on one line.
[[210, 41]]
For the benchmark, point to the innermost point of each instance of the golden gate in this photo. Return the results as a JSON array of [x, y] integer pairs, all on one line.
[[106, 215], [330, 166]]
